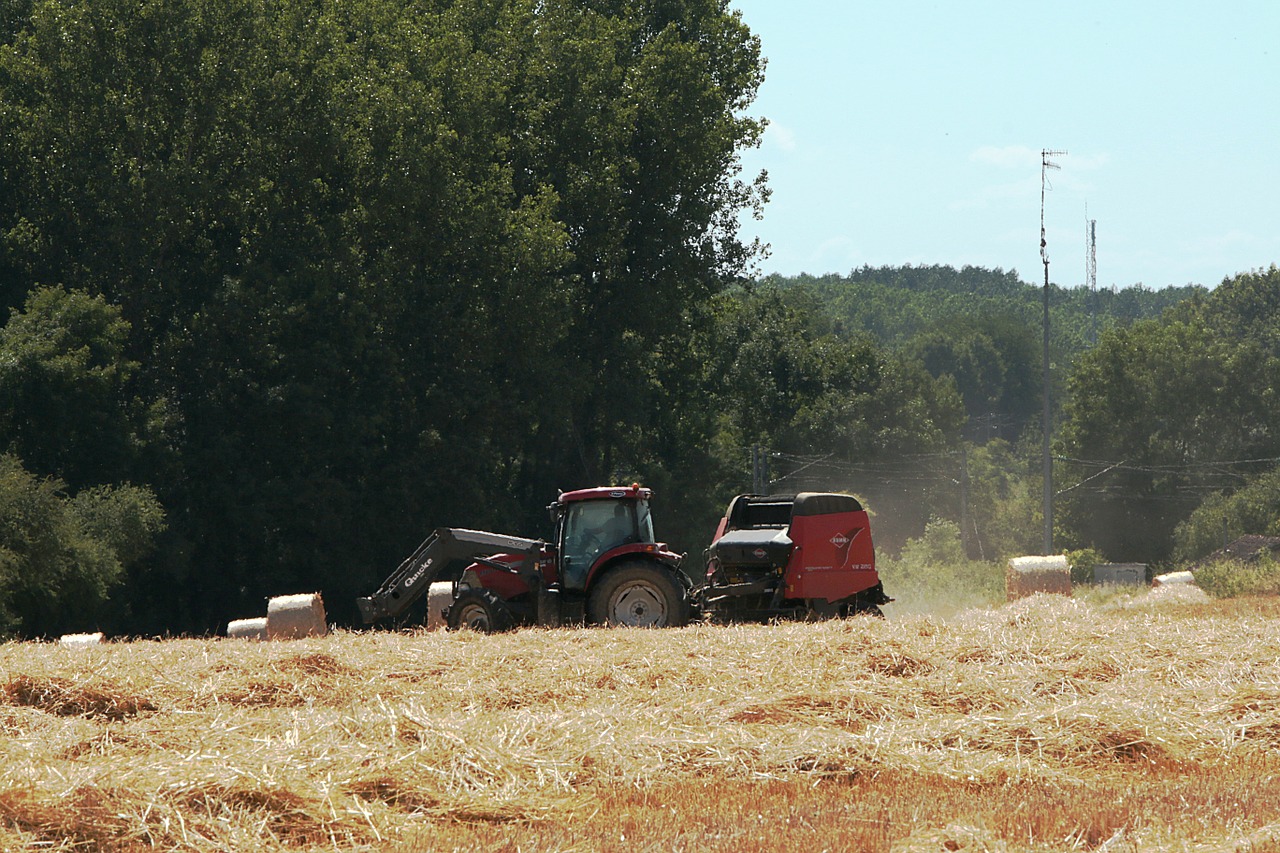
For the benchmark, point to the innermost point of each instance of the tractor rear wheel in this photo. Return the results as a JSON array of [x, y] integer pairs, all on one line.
[[639, 594], [479, 610]]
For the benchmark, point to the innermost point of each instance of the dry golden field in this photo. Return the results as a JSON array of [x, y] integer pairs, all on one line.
[[1048, 724]]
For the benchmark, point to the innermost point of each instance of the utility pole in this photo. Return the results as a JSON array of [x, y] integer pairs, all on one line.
[[1045, 165], [964, 498], [759, 470]]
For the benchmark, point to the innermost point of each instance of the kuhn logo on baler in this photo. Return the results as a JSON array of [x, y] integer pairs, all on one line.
[[842, 541]]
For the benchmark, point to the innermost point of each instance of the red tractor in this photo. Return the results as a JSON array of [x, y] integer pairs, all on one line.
[[791, 556], [603, 566]]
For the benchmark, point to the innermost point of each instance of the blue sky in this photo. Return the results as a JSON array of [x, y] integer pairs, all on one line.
[[910, 132]]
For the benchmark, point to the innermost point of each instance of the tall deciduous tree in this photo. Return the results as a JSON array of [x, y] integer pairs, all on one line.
[[1181, 407], [640, 122], [61, 558], [995, 363], [68, 402]]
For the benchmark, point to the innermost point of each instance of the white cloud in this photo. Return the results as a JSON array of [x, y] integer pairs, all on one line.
[[780, 136], [1087, 162], [834, 253], [1008, 157], [1000, 195]]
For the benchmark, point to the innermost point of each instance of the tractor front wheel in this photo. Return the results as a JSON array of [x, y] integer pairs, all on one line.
[[479, 610], [639, 594]]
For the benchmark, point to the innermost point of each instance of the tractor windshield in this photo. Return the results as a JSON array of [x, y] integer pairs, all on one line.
[[593, 527]]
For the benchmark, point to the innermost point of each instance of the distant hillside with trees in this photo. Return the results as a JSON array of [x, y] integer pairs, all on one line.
[[977, 332]]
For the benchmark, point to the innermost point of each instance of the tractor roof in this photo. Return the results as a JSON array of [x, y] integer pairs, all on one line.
[[633, 492]]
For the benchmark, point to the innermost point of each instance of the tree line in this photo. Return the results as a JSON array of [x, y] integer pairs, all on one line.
[[291, 283], [325, 274]]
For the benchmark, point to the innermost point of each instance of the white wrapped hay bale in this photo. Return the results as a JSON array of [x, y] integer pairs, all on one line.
[[1174, 578], [248, 629], [290, 617], [439, 596], [1029, 575], [79, 641]]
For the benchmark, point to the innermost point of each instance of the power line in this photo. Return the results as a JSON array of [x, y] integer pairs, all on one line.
[[1089, 478], [1169, 468]]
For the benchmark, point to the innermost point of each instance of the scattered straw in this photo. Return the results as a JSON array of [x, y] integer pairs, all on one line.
[[65, 698], [355, 741]]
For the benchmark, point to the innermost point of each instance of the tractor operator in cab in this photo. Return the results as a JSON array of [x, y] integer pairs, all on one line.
[[617, 530]]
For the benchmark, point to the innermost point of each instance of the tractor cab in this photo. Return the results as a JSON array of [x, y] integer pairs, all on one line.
[[594, 525]]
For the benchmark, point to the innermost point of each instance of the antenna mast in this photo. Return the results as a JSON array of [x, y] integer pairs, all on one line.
[[1045, 165], [1091, 264], [1091, 273]]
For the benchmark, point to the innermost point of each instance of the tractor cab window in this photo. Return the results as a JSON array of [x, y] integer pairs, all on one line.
[[592, 528]]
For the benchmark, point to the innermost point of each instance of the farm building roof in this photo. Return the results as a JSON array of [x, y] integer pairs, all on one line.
[[1246, 549]]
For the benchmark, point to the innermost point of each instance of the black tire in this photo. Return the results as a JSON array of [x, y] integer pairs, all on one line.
[[821, 610], [641, 594], [479, 610], [864, 609]]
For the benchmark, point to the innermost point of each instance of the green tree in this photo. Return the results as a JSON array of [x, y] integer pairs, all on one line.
[[67, 400], [787, 386], [1166, 411], [1004, 502], [1223, 516], [933, 574], [638, 135], [61, 558], [995, 363]]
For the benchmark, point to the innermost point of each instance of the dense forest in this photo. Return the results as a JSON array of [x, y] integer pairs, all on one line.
[[292, 282]]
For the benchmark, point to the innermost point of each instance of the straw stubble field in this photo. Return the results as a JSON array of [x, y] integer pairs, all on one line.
[[1047, 724]]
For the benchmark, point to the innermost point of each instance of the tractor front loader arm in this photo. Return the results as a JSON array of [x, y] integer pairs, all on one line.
[[413, 578]]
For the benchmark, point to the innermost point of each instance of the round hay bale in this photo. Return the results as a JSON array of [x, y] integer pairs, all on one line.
[[1029, 575], [1177, 593], [290, 617], [247, 629], [1173, 578], [439, 596], [81, 640]]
